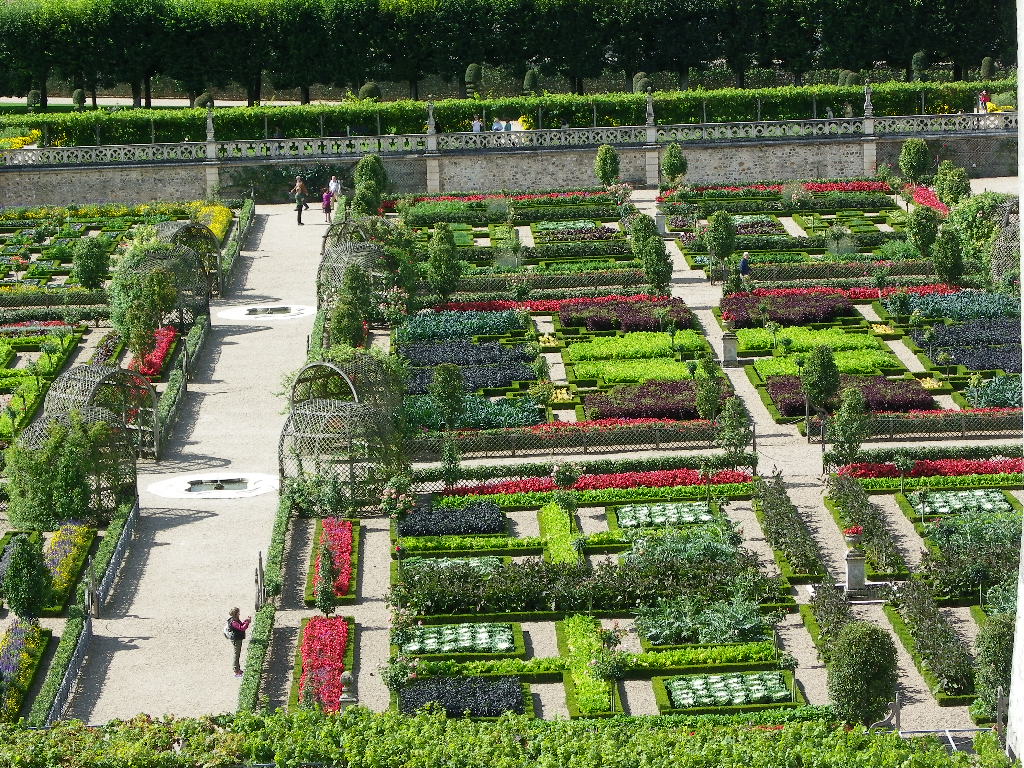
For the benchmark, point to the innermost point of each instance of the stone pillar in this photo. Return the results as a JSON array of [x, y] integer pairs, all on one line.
[[729, 359], [660, 221], [652, 166], [870, 145], [433, 173], [212, 166], [856, 578]]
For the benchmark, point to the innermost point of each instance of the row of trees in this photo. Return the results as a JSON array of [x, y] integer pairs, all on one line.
[[298, 43]]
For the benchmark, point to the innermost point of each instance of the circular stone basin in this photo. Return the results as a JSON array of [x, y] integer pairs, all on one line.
[[221, 485], [261, 312]]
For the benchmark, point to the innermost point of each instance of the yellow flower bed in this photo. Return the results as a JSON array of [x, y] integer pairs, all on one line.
[[17, 142], [217, 217]]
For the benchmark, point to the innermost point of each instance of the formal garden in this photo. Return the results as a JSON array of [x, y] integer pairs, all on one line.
[[579, 476]]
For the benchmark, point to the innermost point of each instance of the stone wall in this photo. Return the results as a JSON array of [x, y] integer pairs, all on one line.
[[736, 162], [982, 156], [84, 184]]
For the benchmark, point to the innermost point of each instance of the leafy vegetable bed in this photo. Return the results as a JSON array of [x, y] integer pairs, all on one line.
[[667, 513], [732, 690], [460, 325], [638, 345], [653, 399], [761, 341], [480, 517], [880, 393], [620, 371], [458, 638], [462, 696], [943, 503], [640, 313], [475, 377], [747, 310], [465, 353]]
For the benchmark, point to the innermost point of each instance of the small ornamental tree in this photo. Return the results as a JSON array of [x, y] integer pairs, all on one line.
[[657, 264], [922, 228], [673, 164], [735, 429], [28, 582], [370, 168], [951, 183], [708, 400], [345, 325], [849, 427], [862, 673], [914, 159], [444, 268], [138, 302], [994, 660], [606, 165], [641, 227], [328, 574], [90, 257], [447, 390], [720, 236], [918, 64], [78, 99], [531, 82], [987, 68], [370, 90], [819, 378], [451, 462], [948, 256]]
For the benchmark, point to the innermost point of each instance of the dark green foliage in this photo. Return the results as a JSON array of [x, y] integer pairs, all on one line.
[[606, 164], [948, 257], [832, 612], [657, 264], [819, 378], [27, 584], [370, 168], [444, 267], [203, 100], [995, 659], [942, 651], [446, 389], [366, 200], [346, 324], [78, 98], [325, 600], [474, 77], [720, 237], [91, 260], [849, 426], [951, 183], [451, 462], [986, 68], [919, 65], [531, 82], [370, 90], [784, 527], [922, 228], [33, 99], [140, 297], [356, 288], [863, 673], [710, 388], [915, 160], [673, 163], [735, 428]]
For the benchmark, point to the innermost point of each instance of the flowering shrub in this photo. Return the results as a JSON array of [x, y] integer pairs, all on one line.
[[154, 361], [395, 503], [654, 479], [338, 535], [324, 642], [936, 468], [925, 196]]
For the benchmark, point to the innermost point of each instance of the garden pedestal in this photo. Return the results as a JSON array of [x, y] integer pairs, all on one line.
[[729, 350], [855, 570]]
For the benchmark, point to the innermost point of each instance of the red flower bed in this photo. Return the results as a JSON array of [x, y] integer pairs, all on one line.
[[324, 642], [854, 294], [338, 535], [598, 425], [547, 305], [925, 196], [937, 468], [154, 361], [848, 186], [38, 324], [661, 478]]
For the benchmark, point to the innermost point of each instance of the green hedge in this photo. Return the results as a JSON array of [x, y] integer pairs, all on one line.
[[58, 668], [259, 645], [133, 126]]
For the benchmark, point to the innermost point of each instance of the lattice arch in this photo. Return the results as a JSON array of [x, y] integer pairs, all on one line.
[[363, 377], [1006, 250], [126, 394], [326, 437], [340, 256], [189, 277], [322, 380], [199, 238], [113, 473]]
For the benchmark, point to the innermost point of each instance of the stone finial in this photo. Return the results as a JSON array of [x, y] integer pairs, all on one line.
[[431, 125], [650, 107]]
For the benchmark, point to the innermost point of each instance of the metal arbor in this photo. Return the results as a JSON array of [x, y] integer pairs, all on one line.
[[126, 394], [190, 280], [112, 470], [199, 238], [337, 258], [1006, 250], [363, 376]]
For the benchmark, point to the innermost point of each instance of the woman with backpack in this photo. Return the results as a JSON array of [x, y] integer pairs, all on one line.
[[234, 631]]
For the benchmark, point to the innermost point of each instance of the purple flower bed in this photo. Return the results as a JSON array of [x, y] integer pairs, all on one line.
[[10, 654], [628, 316], [760, 228], [652, 400], [880, 393], [744, 309], [474, 376]]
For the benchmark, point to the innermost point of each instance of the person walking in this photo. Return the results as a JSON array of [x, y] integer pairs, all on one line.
[[497, 125], [234, 631], [508, 125], [984, 100], [745, 265], [300, 193], [478, 126], [335, 187], [326, 198]]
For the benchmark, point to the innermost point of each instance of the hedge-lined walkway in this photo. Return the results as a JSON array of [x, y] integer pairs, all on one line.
[[159, 648]]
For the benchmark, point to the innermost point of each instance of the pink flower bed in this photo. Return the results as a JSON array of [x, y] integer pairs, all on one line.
[[338, 535], [926, 196], [324, 642], [937, 468], [153, 363], [662, 478], [854, 294]]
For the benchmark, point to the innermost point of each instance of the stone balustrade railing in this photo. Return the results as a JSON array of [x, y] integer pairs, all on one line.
[[431, 143]]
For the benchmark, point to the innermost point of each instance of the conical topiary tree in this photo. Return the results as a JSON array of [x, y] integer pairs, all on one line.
[[28, 582], [862, 674]]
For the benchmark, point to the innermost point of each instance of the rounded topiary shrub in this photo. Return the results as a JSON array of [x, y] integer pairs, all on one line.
[[606, 164], [531, 82], [369, 90], [203, 100], [34, 99], [78, 98], [862, 675], [915, 159]]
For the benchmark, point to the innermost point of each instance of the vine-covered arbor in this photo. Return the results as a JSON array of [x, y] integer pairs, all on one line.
[[193, 286], [363, 376], [338, 257], [112, 469], [199, 238], [126, 394], [326, 437]]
